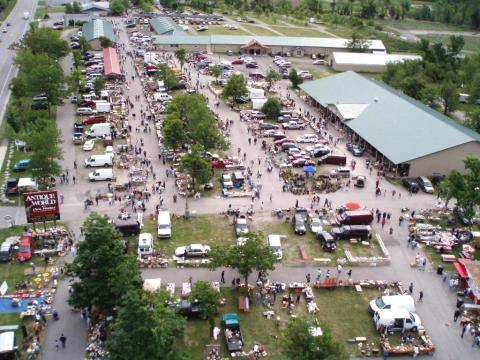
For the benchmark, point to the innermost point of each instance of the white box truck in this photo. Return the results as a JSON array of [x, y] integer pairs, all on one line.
[[145, 244], [164, 225], [99, 130], [101, 175], [405, 302], [397, 320], [104, 160], [103, 107]]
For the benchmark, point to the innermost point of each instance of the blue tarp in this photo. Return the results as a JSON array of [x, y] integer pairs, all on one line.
[[309, 169], [6, 305]]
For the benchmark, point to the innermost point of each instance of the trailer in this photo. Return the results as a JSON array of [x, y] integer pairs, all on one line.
[[232, 332]]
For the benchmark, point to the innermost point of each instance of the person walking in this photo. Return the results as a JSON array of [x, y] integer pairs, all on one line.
[[456, 314], [63, 340], [349, 273], [420, 296], [339, 269], [410, 288], [308, 278], [465, 329], [222, 277]]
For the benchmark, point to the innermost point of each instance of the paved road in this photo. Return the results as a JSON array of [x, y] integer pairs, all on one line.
[[17, 28], [436, 311]]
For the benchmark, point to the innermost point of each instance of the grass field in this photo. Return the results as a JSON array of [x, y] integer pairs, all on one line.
[[220, 30], [258, 329], [472, 43], [4, 14], [411, 24], [259, 30], [298, 31]]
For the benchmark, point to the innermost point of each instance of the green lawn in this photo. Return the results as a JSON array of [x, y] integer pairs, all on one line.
[[472, 43], [297, 31], [258, 329], [56, 9], [4, 14], [411, 24], [270, 20], [259, 30], [220, 30]]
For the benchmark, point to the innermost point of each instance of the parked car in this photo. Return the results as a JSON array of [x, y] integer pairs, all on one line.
[[78, 138], [89, 145], [220, 164], [237, 61], [12, 186], [268, 126], [315, 224], [25, 249], [318, 62], [94, 120], [227, 181], [411, 185], [293, 125], [327, 241], [425, 184], [298, 224], [241, 226], [192, 250], [307, 138], [22, 165], [352, 231], [251, 65], [78, 127]]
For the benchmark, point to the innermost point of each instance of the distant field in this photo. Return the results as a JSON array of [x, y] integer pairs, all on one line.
[[472, 43], [259, 30], [410, 24], [220, 30], [296, 31]]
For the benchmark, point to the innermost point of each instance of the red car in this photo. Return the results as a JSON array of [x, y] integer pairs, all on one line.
[[237, 62], [94, 120], [281, 141], [220, 164], [25, 250], [89, 104]]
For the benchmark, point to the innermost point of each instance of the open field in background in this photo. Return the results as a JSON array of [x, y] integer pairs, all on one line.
[[300, 31], [219, 30], [259, 30], [472, 43], [411, 24]]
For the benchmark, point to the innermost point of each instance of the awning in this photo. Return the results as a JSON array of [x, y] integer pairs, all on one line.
[[253, 43], [111, 65], [462, 272]]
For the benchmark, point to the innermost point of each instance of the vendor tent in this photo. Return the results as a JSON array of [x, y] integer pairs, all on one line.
[[27, 184], [257, 104], [111, 64], [152, 285], [7, 342], [309, 169], [254, 93], [352, 205]]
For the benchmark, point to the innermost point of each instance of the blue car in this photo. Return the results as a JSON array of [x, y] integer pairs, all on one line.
[[22, 165]]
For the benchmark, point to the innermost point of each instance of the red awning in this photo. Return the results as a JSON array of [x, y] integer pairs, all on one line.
[[253, 43], [111, 65], [460, 270]]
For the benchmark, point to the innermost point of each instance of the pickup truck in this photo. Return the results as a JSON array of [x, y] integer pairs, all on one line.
[[293, 125], [232, 332], [94, 120]]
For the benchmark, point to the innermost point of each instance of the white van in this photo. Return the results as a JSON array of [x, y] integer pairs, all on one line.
[[164, 225], [396, 320], [162, 97], [405, 302], [101, 175], [145, 244], [86, 111], [104, 160], [275, 244], [89, 97]]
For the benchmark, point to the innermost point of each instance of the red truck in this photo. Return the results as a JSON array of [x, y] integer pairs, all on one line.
[[25, 249], [94, 119]]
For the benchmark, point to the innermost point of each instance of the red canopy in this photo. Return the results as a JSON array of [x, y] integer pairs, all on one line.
[[111, 65], [460, 270], [352, 205], [253, 43]]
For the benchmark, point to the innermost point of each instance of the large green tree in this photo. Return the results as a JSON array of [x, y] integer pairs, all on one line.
[[173, 131], [145, 328], [271, 77], [47, 41], [294, 78], [216, 71], [208, 299], [236, 87], [180, 55], [46, 151], [272, 108], [299, 343], [196, 166], [99, 85], [254, 255], [168, 76], [102, 271]]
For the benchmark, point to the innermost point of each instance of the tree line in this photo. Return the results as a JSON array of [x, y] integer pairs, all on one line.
[[33, 120], [118, 7]]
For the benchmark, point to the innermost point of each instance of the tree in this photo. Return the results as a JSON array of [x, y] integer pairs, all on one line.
[[105, 42], [76, 7], [216, 71], [46, 41], [99, 85], [236, 87], [144, 329], [77, 58], [473, 120], [449, 95], [299, 343], [180, 55], [294, 78], [103, 271], [271, 77], [208, 299], [253, 255], [84, 45], [196, 166], [117, 7], [272, 108], [45, 145], [75, 81], [173, 131], [167, 75], [358, 43]]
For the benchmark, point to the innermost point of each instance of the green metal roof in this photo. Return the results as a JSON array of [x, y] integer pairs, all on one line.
[[265, 40], [97, 28], [165, 26], [399, 127]]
